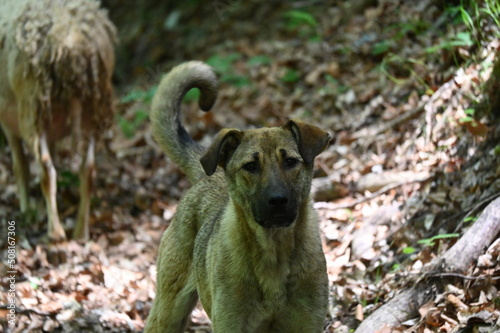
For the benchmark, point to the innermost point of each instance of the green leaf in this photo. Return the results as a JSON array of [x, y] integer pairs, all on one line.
[[259, 60], [67, 178], [291, 76], [223, 64], [192, 95], [236, 80], [409, 250], [172, 20], [139, 117], [430, 241], [381, 47], [395, 268], [127, 128], [497, 150], [297, 17], [470, 219], [467, 119]]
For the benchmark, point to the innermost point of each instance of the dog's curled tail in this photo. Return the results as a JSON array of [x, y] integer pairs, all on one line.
[[166, 119]]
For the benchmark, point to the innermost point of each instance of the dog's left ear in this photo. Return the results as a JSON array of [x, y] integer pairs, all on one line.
[[221, 150], [311, 139]]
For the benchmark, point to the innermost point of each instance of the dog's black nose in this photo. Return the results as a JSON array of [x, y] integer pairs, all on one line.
[[277, 201]]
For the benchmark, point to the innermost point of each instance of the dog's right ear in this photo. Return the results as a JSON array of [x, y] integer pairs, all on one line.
[[221, 150]]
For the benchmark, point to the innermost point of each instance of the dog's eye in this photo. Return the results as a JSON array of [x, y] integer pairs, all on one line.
[[290, 162], [251, 166]]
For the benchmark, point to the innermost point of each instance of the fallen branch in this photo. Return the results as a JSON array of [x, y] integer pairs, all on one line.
[[458, 258], [373, 195]]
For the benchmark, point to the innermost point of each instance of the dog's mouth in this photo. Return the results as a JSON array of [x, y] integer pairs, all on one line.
[[276, 221]]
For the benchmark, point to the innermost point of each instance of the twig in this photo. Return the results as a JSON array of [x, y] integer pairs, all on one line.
[[375, 194], [27, 311], [372, 132], [462, 276]]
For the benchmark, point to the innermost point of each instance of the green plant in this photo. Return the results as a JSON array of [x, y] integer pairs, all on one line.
[[470, 219], [291, 76], [339, 87], [461, 39], [224, 66], [139, 95], [409, 250], [303, 23], [404, 64], [298, 18], [259, 60], [381, 47], [431, 241], [496, 150], [469, 116], [192, 95], [67, 178], [129, 127], [396, 267]]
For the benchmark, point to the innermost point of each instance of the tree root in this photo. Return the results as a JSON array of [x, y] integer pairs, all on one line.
[[458, 258]]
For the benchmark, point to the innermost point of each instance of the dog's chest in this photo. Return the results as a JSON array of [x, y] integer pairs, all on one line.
[[272, 278]]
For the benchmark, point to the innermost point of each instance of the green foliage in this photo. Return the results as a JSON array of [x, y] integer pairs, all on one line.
[[338, 86], [129, 127], [303, 23], [497, 150], [470, 219], [298, 18], [430, 241], [475, 15], [35, 282], [192, 95], [259, 60], [469, 118], [381, 47], [409, 250], [461, 39], [404, 64], [224, 66], [140, 95], [291, 76], [67, 178], [396, 267]]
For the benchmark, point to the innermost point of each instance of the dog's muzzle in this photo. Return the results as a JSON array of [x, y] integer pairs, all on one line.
[[275, 209]]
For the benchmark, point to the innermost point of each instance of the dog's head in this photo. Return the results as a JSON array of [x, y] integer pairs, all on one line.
[[268, 170]]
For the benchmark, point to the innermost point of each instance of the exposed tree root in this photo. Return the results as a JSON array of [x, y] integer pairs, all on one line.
[[458, 258]]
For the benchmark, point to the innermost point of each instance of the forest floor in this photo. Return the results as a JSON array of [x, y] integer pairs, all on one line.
[[403, 88]]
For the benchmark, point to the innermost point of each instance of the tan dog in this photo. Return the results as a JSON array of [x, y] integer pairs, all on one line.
[[245, 239]]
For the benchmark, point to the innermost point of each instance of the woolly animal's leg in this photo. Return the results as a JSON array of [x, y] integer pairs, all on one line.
[[49, 189], [87, 175], [20, 166]]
